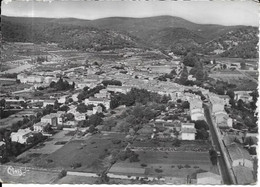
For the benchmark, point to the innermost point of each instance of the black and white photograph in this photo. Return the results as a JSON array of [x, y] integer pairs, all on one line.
[[129, 92]]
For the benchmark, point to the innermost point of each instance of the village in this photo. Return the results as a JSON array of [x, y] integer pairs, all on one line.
[[111, 122]]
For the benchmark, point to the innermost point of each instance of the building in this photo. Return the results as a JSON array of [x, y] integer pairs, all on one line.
[[225, 98], [80, 116], [208, 178], [121, 89], [243, 175], [30, 79], [217, 104], [48, 102], [39, 127], [188, 131], [21, 136], [97, 101], [239, 156], [51, 119], [222, 119], [63, 99], [243, 95], [197, 114], [103, 94], [97, 109]]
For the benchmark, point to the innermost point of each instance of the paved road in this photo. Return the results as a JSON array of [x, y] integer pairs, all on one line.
[[223, 167]]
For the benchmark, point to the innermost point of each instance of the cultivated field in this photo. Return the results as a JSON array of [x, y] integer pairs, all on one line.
[[92, 153], [171, 164]]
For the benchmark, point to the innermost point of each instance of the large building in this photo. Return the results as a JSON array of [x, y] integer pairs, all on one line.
[[239, 156], [188, 131], [51, 119], [97, 101], [21, 136]]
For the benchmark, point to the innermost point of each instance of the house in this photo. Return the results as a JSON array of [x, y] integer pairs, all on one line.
[[75, 97], [80, 116], [239, 156], [188, 131], [243, 175], [217, 104], [21, 136], [63, 99], [197, 114], [30, 79], [222, 119], [243, 95], [97, 101], [121, 89], [103, 94], [208, 178], [51, 119], [225, 98], [60, 117], [39, 127], [97, 109], [48, 102]]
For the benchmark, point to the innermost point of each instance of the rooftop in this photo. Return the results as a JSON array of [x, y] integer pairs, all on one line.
[[237, 152], [243, 175]]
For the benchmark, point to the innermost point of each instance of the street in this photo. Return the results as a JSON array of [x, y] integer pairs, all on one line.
[[223, 167]]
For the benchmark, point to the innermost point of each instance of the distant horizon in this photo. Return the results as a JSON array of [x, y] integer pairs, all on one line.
[[230, 13], [124, 17]]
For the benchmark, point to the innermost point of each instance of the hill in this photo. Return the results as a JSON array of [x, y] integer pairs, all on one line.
[[163, 32]]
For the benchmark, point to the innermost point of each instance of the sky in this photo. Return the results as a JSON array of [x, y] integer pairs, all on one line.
[[204, 12]]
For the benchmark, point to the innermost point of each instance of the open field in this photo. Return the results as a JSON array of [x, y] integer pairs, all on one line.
[[241, 81], [174, 164], [91, 153]]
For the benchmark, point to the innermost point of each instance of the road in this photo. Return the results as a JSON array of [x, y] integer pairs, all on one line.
[[223, 167]]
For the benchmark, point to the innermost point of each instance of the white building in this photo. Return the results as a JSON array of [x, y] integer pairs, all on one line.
[[48, 102], [121, 89], [188, 131], [97, 101], [97, 109], [39, 127], [51, 119], [80, 116], [21, 136]]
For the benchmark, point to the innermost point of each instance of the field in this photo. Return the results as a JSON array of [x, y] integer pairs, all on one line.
[[91, 152], [172, 164], [196, 146], [241, 81]]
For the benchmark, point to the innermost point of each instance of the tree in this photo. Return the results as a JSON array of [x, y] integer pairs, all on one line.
[[2, 103], [69, 116], [202, 134], [213, 157], [190, 60], [243, 65], [92, 129], [185, 105], [231, 94], [201, 124]]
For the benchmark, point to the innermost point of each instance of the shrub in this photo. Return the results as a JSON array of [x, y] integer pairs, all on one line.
[[76, 165], [158, 170], [62, 174]]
